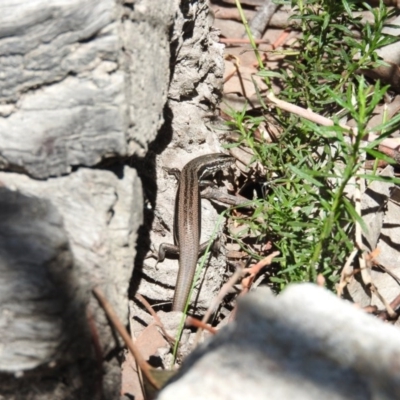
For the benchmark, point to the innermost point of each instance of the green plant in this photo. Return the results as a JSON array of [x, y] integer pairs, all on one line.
[[305, 211]]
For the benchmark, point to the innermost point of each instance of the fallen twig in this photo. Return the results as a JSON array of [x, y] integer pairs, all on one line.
[[319, 119], [347, 273], [217, 300], [97, 351], [149, 308], [254, 270], [190, 321], [144, 366], [388, 271]]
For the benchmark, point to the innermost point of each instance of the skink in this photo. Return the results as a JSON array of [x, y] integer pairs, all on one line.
[[187, 222]]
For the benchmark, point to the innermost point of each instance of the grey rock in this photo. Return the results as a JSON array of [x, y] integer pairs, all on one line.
[[100, 214], [85, 82], [81, 81], [40, 312], [194, 93], [303, 344]]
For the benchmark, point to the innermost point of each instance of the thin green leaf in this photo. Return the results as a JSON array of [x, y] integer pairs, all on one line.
[[356, 217], [380, 178], [305, 176], [380, 156], [271, 74]]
